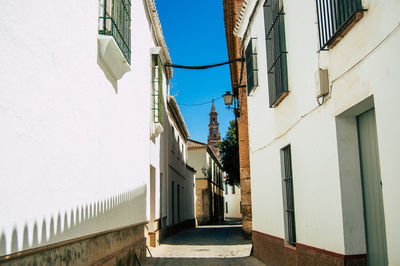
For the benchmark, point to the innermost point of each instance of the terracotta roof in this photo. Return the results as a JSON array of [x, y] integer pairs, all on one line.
[[240, 17], [194, 144]]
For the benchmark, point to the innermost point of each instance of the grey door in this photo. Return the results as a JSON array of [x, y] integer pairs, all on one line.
[[372, 190]]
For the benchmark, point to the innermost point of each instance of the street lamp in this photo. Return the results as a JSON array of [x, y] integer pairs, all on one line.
[[228, 99]]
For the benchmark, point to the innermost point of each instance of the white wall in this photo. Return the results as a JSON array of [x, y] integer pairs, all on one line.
[[179, 174], [67, 139], [233, 200], [197, 160], [362, 64]]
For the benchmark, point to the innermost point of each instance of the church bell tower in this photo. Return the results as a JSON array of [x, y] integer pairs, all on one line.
[[213, 130]]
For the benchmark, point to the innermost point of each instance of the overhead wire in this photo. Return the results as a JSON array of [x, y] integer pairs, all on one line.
[[203, 103], [205, 66]]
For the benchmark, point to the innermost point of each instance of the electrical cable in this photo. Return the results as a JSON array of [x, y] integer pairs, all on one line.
[[205, 66], [198, 104]]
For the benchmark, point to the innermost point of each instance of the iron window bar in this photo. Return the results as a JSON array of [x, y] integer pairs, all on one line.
[[289, 198], [251, 65], [334, 16], [115, 21], [276, 51]]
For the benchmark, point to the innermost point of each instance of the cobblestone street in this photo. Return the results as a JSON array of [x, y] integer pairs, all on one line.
[[205, 245]]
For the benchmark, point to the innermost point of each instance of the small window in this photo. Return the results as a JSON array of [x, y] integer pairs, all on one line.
[[288, 196], [276, 51], [172, 139], [251, 65], [233, 189], [226, 207], [179, 147], [226, 187]]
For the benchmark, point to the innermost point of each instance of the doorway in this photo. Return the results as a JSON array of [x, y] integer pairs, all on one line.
[[374, 218]]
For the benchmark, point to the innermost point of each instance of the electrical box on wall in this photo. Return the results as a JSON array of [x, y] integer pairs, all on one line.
[[321, 83]]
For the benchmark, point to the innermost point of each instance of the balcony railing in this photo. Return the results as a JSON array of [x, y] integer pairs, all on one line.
[[115, 20], [334, 17]]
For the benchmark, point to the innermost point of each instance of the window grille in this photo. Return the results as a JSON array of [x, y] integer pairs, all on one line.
[[288, 199], [173, 202], [334, 16], [115, 20], [157, 89], [276, 51], [251, 65], [172, 139]]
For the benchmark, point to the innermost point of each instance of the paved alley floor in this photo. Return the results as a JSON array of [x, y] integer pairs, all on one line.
[[205, 245]]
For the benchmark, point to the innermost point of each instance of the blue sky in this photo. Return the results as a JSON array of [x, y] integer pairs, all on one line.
[[195, 35]]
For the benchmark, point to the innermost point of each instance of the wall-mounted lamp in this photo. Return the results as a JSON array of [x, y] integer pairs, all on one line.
[[204, 171], [228, 99]]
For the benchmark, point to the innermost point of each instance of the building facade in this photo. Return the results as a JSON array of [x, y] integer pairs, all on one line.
[[178, 189], [238, 82], [209, 182], [321, 109], [74, 166], [233, 201]]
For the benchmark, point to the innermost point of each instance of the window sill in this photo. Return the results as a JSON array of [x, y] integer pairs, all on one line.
[[156, 130], [352, 22], [110, 57], [280, 99]]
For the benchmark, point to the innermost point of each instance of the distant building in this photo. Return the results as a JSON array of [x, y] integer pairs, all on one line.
[[209, 182], [233, 201]]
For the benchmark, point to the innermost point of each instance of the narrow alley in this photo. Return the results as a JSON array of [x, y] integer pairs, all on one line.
[[205, 245]]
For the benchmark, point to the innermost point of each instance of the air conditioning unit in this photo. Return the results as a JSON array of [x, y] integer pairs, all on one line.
[[321, 83]]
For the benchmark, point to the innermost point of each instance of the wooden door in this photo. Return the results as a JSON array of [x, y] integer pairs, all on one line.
[[374, 217]]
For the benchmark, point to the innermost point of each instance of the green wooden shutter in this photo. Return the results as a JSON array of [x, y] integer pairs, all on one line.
[[251, 65], [276, 50], [160, 91]]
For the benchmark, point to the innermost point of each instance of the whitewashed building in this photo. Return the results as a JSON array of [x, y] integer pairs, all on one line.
[[76, 102], [233, 203], [322, 83], [172, 186]]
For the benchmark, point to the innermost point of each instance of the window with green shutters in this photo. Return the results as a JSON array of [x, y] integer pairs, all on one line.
[[276, 51], [115, 20], [334, 18], [288, 198], [251, 65], [157, 90]]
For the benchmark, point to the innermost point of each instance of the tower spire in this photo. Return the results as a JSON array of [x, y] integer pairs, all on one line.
[[213, 107], [213, 130]]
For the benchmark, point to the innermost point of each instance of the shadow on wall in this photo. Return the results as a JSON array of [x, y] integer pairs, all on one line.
[[123, 209]]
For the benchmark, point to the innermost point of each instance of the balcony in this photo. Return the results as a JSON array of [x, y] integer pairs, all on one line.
[[335, 19], [114, 39]]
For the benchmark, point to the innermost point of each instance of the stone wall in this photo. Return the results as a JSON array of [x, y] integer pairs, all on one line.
[[123, 246]]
